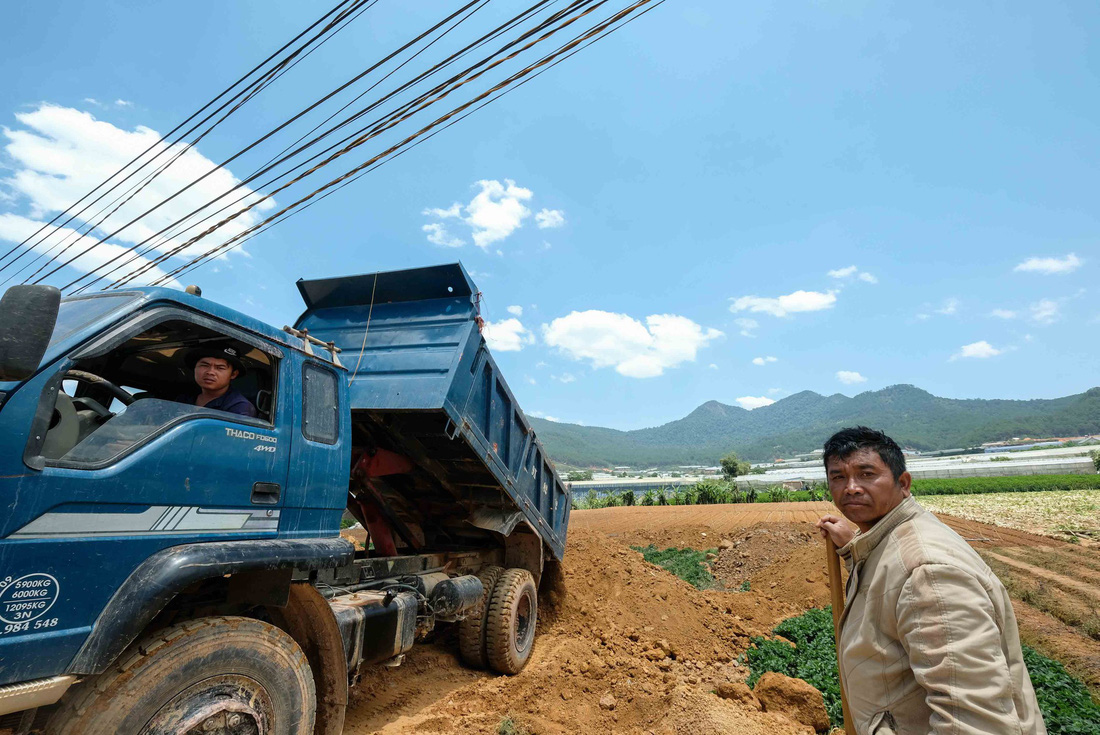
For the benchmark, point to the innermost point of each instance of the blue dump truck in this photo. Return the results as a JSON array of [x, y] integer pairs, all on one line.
[[167, 567]]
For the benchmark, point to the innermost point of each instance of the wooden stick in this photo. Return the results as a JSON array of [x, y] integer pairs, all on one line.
[[836, 594]]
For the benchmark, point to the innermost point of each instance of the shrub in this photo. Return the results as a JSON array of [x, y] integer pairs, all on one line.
[[650, 498]]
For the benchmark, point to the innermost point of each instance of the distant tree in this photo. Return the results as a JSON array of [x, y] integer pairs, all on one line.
[[732, 466], [579, 476]]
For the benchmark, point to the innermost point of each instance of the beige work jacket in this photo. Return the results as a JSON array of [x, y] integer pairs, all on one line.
[[928, 640]]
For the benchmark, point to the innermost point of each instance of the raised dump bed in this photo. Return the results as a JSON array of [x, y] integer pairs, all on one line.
[[424, 385]]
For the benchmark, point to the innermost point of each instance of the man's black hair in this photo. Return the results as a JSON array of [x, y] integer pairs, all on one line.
[[845, 442]]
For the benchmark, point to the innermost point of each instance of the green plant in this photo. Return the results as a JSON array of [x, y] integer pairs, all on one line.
[[1000, 459], [1064, 700], [347, 523], [687, 564], [649, 498], [508, 726], [1028, 483], [1095, 456], [579, 476], [812, 658], [745, 587]]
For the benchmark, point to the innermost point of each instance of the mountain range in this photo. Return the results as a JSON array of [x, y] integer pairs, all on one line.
[[803, 421]]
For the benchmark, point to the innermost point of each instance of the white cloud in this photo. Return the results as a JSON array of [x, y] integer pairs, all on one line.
[[850, 377], [565, 378], [849, 271], [455, 210], [549, 219], [950, 306], [541, 415], [495, 212], [61, 153], [764, 360], [747, 326], [791, 303], [712, 366], [508, 335], [530, 380], [438, 235], [1045, 311], [751, 402], [634, 349], [774, 391], [123, 103], [1050, 266], [1003, 313], [14, 228], [979, 350], [540, 364], [515, 310]]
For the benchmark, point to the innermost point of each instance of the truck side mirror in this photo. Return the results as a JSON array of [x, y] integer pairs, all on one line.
[[27, 318]]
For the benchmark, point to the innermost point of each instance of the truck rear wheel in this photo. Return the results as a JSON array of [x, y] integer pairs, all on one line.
[[220, 675], [510, 625], [471, 631]]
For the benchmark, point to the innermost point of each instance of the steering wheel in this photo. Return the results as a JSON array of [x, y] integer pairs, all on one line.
[[84, 376]]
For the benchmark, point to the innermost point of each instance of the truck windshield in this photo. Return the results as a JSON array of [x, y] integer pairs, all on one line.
[[75, 314]]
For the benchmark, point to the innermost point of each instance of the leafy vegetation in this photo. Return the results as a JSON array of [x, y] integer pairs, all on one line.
[[689, 565], [1064, 700], [705, 492], [1022, 484], [812, 658], [914, 417], [508, 726]]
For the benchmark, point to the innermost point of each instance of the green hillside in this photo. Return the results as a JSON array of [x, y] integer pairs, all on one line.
[[803, 421]]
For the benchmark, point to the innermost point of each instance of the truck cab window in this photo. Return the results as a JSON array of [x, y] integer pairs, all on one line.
[[170, 372]]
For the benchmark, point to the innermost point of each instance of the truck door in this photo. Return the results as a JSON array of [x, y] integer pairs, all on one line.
[[102, 485]]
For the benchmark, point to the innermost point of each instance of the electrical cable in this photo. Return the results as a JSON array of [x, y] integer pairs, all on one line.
[[484, 39], [570, 47], [172, 132], [269, 78], [334, 26], [252, 145], [354, 144]]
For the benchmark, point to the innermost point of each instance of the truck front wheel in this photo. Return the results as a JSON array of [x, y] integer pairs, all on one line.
[[510, 623], [220, 675]]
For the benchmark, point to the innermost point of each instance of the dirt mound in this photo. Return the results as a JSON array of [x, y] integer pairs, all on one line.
[[623, 646], [794, 698], [742, 556]]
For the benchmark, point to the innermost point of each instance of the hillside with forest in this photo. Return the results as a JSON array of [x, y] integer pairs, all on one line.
[[801, 422]]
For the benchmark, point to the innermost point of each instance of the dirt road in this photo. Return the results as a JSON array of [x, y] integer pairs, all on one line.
[[626, 647]]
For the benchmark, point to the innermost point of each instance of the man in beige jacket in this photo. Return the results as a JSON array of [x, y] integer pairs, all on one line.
[[928, 639]]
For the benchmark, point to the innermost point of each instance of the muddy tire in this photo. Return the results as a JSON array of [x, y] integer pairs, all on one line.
[[217, 674], [471, 631], [510, 624]]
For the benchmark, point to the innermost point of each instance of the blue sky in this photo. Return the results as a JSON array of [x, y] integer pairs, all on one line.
[[698, 175]]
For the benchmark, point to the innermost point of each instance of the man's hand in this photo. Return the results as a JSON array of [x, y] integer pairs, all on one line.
[[836, 528]]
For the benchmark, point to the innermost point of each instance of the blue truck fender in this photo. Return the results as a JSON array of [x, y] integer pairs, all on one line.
[[165, 574]]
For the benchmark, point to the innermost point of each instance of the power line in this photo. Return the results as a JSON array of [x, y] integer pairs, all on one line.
[[582, 41], [269, 77], [390, 123], [374, 125], [170, 133], [252, 145]]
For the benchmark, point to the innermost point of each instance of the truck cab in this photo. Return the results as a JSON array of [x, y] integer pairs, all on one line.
[[134, 513]]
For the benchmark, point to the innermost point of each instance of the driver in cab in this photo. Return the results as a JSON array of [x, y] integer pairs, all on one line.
[[215, 367]]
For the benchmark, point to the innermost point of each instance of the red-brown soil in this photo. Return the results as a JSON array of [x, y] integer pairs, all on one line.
[[625, 647]]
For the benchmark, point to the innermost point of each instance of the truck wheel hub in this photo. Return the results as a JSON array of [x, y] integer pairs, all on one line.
[[222, 705]]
